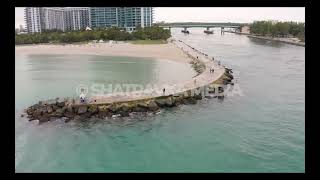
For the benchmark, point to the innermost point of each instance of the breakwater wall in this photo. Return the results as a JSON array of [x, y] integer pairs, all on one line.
[[205, 84]]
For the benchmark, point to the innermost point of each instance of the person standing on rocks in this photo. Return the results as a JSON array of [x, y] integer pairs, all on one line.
[[164, 90], [82, 96]]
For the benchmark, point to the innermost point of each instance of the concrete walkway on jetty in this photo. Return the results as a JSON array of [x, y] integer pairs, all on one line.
[[203, 79]]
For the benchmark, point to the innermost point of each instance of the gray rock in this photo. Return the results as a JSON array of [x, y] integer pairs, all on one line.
[[69, 114], [103, 108], [54, 107], [60, 102], [139, 109], [124, 113], [160, 102], [142, 104], [102, 114], [30, 111], [198, 96], [44, 118], [82, 109], [49, 109], [112, 107], [169, 102], [152, 106], [93, 108], [69, 109], [77, 117], [37, 114]]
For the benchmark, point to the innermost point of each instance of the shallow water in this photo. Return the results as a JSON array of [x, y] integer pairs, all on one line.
[[261, 131]]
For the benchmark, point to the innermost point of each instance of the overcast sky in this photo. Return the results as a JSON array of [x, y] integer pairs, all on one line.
[[198, 14]]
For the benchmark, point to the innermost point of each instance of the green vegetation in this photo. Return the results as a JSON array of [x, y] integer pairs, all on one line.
[[113, 33], [278, 29], [148, 42]]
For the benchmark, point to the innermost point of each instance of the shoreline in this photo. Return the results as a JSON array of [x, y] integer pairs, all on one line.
[[283, 40], [158, 51]]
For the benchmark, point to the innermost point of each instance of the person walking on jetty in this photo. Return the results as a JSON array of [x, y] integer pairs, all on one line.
[[82, 96]]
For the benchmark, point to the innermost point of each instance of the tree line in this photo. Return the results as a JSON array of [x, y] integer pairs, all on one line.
[[278, 29], [112, 33]]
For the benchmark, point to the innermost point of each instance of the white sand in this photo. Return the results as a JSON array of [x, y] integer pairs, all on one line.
[[163, 51]]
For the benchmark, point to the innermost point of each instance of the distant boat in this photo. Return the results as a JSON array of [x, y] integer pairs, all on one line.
[[185, 31], [208, 32]]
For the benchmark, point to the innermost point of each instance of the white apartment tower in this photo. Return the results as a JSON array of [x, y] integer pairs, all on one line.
[[32, 19], [56, 18]]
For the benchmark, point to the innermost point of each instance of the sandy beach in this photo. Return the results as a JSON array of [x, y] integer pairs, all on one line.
[[162, 51]]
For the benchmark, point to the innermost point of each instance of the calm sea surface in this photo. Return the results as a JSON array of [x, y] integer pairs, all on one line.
[[262, 130]]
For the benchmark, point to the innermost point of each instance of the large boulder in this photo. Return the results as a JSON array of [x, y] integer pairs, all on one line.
[[124, 113], [177, 100], [190, 100], [54, 107], [169, 102], [69, 108], [37, 114], [103, 114], [49, 102], [60, 102], [164, 101], [49, 109], [124, 107], [59, 112], [44, 118], [82, 109], [30, 110], [198, 96], [77, 117], [69, 114], [93, 108], [161, 102], [139, 109], [103, 108], [113, 107], [142, 104], [152, 106]]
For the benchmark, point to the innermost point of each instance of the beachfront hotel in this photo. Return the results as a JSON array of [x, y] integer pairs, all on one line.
[[124, 17], [39, 19], [32, 19]]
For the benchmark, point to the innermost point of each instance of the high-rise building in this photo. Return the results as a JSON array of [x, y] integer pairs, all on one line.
[[39, 19], [32, 19], [123, 17], [103, 17], [56, 18]]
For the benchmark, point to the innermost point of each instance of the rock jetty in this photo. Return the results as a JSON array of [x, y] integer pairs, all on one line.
[[68, 109]]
